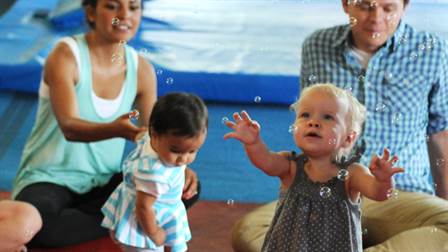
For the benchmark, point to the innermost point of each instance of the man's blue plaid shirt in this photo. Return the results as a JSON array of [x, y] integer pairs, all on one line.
[[404, 89]]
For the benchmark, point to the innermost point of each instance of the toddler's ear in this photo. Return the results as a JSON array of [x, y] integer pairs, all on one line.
[[351, 137]]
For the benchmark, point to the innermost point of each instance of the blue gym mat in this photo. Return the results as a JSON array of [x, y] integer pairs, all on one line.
[[236, 54]]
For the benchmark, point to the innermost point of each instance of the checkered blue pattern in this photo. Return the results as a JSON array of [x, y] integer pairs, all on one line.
[[404, 89]]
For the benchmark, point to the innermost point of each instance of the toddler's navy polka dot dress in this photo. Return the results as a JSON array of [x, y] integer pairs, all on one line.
[[305, 221]]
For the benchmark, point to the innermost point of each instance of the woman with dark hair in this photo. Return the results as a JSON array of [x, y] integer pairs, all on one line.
[[72, 158]]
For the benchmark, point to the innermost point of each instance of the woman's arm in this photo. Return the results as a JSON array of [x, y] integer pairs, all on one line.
[[61, 75], [146, 91], [438, 153], [146, 217]]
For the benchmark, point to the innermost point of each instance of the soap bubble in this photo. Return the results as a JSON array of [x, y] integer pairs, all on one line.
[[115, 21], [134, 114], [325, 192]]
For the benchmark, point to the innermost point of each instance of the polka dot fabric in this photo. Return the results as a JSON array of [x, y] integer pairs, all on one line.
[[304, 221]]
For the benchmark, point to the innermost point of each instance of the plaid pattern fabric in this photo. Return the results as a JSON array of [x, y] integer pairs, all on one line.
[[404, 88]]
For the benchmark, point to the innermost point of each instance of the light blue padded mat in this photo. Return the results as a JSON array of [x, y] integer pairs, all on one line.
[[229, 51]]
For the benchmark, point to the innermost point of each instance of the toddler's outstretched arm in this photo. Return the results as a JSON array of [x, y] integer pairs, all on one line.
[[377, 183], [247, 131]]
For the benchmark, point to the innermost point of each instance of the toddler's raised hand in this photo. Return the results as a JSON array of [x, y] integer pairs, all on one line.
[[244, 129], [382, 167]]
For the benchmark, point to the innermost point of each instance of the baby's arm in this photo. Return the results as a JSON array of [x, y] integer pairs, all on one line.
[[247, 131], [377, 181], [146, 217]]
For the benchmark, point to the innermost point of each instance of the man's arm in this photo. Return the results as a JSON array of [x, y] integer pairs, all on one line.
[[438, 154], [438, 119]]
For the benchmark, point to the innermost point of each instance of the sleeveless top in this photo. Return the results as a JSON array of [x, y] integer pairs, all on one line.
[[305, 221], [49, 157]]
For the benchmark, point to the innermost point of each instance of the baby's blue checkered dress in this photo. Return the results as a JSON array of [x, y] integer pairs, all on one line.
[[143, 171]]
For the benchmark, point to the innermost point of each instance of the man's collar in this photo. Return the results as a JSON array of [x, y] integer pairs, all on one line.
[[343, 36]]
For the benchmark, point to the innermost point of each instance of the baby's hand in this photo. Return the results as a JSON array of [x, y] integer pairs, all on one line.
[[382, 168], [159, 237], [245, 129]]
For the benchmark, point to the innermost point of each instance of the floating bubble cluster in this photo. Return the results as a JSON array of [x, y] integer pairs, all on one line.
[[143, 52], [392, 193], [403, 39], [396, 118], [391, 18], [353, 21], [380, 107], [389, 76], [364, 231], [224, 120], [343, 174], [292, 128], [134, 114], [115, 21], [312, 78], [169, 81], [414, 56], [325, 192], [117, 58], [122, 43]]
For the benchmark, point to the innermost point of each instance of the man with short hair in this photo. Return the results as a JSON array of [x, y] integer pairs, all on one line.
[[401, 76]]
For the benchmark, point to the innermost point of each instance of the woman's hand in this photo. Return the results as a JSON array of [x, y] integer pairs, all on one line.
[[191, 184], [126, 129], [245, 129]]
